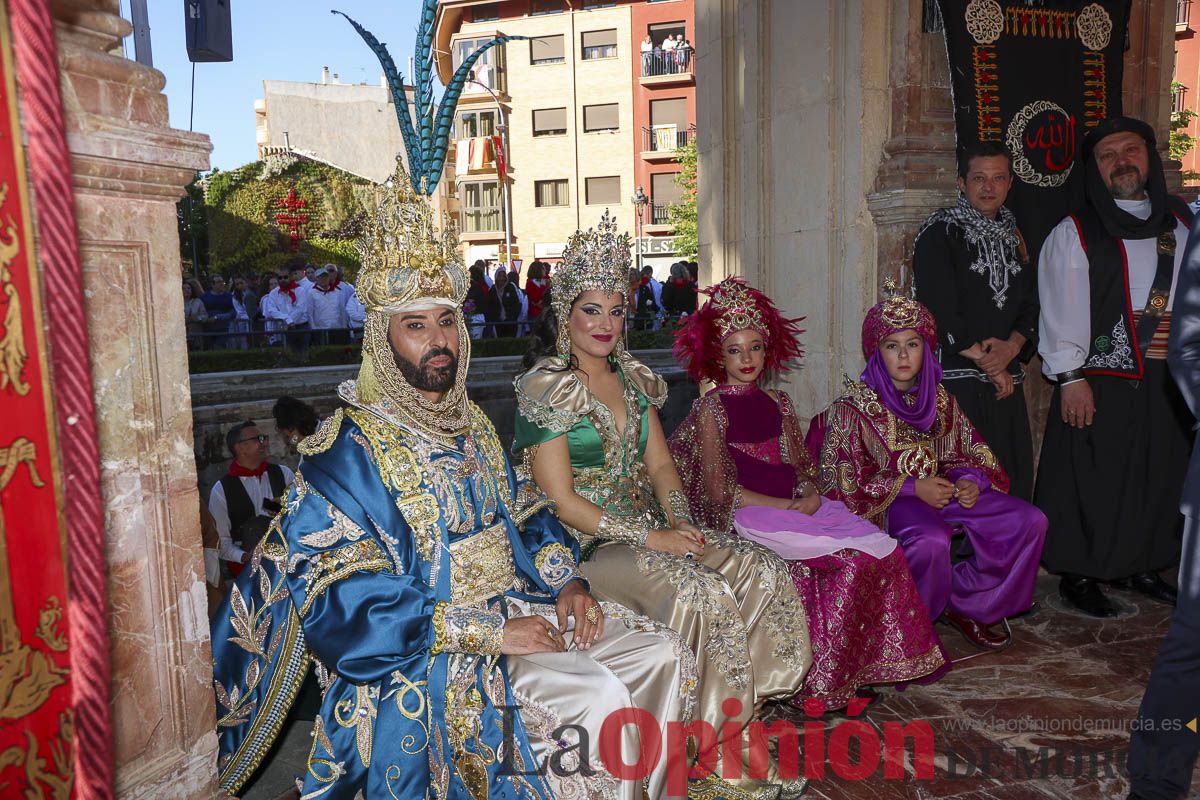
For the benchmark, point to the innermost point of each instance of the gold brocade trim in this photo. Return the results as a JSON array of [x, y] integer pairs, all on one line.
[[459, 629], [556, 565], [523, 514], [330, 567], [488, 444], [360, 715], [481, 566], [325, 435]]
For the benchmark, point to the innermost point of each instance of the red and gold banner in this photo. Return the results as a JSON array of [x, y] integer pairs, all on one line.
[[36, 717]]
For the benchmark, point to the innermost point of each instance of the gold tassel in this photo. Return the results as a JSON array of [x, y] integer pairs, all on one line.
[[368, 385]]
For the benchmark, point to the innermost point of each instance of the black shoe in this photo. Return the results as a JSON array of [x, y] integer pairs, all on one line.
[[1084, 594], [1151, 585]]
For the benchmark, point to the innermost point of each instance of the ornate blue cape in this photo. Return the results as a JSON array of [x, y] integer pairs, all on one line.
[[387, 568]]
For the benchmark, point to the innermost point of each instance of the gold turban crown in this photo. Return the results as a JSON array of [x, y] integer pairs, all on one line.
[[404, 256]]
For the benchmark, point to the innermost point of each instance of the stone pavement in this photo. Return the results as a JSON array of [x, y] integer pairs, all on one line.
[[1047, 718]]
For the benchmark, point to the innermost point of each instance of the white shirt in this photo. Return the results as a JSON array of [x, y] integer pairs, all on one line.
[[356, 312], [328, 309], [258, 489], [278, 305], [1064, 288], [647, 47]]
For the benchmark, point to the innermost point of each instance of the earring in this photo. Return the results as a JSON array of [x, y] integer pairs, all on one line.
[[295, 439]]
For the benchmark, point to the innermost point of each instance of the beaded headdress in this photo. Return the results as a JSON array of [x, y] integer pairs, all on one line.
[[598, 258], [404, 256], [896, 312], [736, 306], [409, 265]]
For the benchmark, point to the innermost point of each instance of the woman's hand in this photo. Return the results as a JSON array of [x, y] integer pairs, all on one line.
[[805, 505], [966, 492], [937, 492], [676, 542]]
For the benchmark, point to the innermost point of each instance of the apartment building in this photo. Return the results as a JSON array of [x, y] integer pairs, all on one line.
[[554, 129], [1186, 80]]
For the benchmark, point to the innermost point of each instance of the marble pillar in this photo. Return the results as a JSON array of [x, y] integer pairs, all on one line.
[[826, 136], [130, 168]]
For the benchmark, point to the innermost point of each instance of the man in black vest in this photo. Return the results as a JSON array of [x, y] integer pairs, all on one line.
[[244, 501], [1118, 434]]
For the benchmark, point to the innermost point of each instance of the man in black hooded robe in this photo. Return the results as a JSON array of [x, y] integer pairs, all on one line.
[[1118, 433]]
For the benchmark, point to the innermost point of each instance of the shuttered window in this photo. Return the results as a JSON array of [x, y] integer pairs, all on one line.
[[601, 118]]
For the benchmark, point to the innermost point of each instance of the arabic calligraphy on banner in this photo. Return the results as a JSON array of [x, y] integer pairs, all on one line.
[[1041, 138], [36, 719]]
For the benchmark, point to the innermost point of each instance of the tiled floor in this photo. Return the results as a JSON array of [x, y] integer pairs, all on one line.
[[1047, 718]]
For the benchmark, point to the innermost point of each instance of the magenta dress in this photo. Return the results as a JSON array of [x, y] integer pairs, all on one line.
[[867, 623]]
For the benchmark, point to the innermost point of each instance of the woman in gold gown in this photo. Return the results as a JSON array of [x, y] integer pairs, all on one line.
[[588, 432]]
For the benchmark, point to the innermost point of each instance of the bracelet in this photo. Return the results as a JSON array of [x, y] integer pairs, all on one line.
[[679, 507], [804, 489], [620, 529], [1070, 376], [738, 501]]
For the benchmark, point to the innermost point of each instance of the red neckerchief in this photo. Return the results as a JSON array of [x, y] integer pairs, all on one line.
[[679, 283], [238, 471], [645, 282], [333, 284], [290, 289]]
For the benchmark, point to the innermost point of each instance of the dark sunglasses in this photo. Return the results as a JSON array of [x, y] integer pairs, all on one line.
[[262, 438]]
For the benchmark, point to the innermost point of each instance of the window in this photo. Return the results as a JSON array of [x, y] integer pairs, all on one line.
[[603, 191], [481, 207], [547, 194], [599, 44], [600, 118], [599, 3], [669, 112], [487, 70], [540, 7], [1180, 94], [488, 12], [549, 121], [547, 50], [476, 123], [660, 32], [663, 193]]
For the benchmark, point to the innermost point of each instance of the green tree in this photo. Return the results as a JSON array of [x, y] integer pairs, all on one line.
[[1181, 142], [683, 215]]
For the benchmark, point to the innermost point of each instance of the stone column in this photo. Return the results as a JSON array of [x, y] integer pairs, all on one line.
[[130, 168], [793, 113]]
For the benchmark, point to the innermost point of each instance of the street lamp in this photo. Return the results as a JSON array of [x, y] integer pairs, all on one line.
[[639, 201], [502, 128]]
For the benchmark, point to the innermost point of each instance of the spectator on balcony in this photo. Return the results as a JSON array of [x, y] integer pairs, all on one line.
[[327, 306], [647, 54], [683, 53], [309, 279], [194, 312]]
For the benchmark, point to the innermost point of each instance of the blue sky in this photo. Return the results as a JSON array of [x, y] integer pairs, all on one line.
[[272, 40]]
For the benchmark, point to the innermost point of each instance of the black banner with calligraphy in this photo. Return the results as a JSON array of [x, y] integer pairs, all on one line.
[[1036, 78]]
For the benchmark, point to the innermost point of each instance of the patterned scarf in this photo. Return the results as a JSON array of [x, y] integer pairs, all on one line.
[[994, 242]]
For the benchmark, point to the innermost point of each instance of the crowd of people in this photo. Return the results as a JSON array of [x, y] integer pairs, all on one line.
[[740, 560], [303, 303]]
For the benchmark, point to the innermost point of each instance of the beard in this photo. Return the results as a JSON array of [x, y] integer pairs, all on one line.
[[1126, 183], [425, 378]]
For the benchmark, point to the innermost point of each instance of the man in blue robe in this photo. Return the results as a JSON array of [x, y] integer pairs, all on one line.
[[436, 595]]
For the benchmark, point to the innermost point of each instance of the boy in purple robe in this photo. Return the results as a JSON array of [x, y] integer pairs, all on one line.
[[897, 450]]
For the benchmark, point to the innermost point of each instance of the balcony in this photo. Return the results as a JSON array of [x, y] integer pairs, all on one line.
[[668, 67], [1183, 14], [476, 155], [662, 142], [657, 222]]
